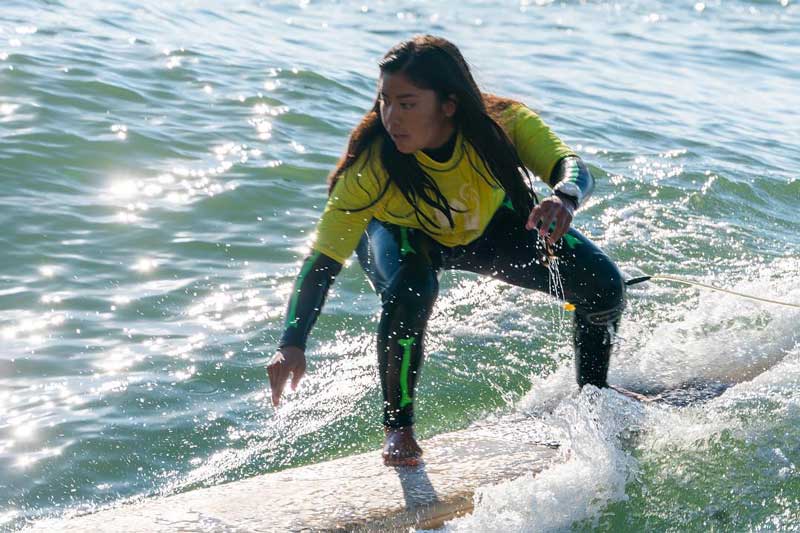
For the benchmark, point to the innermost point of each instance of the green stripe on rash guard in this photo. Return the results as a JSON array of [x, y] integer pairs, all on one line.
[[291, 319], [405, 399], [405, 246]]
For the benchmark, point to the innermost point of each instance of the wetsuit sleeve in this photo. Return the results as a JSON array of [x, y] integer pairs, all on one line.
[[351, 205], [308, 296], [538, 147], [573, 170]]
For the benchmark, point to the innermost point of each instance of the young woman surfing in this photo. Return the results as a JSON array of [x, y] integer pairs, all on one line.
[[435, 177]]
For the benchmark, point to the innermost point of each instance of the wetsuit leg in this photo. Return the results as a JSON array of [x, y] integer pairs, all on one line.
[[591, 282], [402, 265]]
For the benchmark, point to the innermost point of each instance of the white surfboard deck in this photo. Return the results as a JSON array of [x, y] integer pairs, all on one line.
[[355, 493]]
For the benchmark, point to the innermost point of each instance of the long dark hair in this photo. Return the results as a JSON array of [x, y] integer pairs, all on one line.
[[436, 64]]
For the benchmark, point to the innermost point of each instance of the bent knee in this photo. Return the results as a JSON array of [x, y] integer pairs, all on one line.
[[604, 300]]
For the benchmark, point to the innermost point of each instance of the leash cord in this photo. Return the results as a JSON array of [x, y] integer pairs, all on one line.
[[674, 279]]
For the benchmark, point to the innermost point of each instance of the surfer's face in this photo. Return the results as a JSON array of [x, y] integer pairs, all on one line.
[[415, 118]]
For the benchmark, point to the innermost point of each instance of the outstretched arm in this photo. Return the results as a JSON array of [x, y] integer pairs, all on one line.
[[351, 205], [310, 289], [308, 296]]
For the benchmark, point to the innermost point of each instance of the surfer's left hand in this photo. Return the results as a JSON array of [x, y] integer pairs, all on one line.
[[287, 360], [551, 209]]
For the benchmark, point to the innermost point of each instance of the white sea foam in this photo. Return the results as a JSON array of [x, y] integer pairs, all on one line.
[[718, 338], [722, 337], [592, 427], [778, 387]]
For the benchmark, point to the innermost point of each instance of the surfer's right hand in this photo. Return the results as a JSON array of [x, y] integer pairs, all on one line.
[[287, 360]]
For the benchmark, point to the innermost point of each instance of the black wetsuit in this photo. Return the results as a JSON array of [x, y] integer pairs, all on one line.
[[403, 265]]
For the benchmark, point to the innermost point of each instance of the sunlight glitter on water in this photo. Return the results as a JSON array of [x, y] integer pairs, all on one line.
[[698, 148], [118, 360], [7, 111], [262, 123], [47, 271], [180, 186], [31, 328], [120, 130], [124, 189], [225, 310], [145, 265], [25, 460]]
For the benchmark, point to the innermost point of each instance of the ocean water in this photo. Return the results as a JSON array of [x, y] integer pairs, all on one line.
[[162, 166]]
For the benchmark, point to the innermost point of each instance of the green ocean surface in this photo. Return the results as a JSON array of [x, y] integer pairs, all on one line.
[[162, 167]]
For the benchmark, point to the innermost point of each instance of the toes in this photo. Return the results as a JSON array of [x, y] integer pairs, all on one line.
[[401, 461], [400, 458]]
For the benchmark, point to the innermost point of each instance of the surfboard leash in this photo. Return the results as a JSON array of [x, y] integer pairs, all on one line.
[[642, 279]]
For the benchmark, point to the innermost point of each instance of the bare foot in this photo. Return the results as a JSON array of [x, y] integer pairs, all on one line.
[[400, 448], [630, 394]]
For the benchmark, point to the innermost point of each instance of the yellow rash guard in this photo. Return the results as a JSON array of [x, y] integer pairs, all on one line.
[[460, 179]]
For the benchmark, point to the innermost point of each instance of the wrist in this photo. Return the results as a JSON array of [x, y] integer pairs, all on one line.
[[289, 348], [570, 201], [569, 189]]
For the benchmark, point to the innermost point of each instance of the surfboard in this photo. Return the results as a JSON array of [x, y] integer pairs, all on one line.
[[355, 493], [691, 392]]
